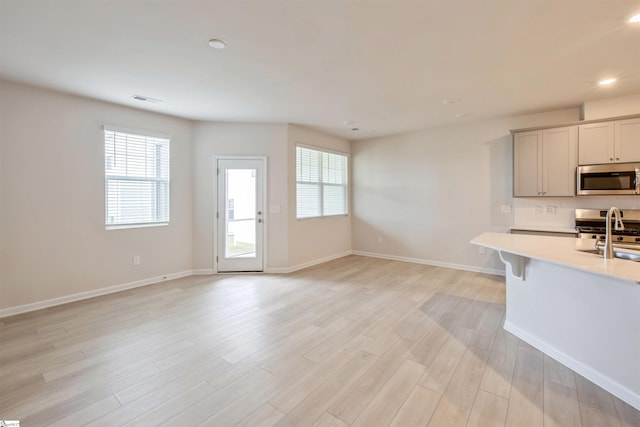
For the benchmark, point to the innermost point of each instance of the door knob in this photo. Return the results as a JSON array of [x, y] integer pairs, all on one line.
[[259, 220], [259, 212]]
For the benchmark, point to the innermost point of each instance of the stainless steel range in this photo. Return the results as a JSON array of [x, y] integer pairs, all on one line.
[[591, 224]]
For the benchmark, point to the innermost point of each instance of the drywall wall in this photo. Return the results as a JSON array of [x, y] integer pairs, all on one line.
[[313, 240], [418, 196], [560, 211], [54, 242], [424, 195], [612, 107], [239, 139]]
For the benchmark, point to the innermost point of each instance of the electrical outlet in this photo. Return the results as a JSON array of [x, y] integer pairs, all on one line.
[[537, 210], [136, 260], [505, 208], [482, 250], [551, 210]]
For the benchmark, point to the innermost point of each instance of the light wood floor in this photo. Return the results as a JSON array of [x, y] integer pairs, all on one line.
[[357, 341]]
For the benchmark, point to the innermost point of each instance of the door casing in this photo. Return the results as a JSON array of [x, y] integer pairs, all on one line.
[[216, 210]]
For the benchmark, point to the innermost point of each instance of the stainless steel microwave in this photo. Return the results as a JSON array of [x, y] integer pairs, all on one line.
[[609, 179]]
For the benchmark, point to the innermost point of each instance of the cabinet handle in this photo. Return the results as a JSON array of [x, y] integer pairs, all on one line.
[[611, 159], [617, 158]]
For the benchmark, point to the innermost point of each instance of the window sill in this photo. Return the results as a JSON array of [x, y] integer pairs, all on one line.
[[127, 226], [322, 217]]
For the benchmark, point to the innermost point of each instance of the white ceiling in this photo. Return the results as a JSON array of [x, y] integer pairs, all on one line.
[[385, 64]]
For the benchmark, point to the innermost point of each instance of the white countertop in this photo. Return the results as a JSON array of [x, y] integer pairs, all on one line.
[[545, 228], [560, 250]]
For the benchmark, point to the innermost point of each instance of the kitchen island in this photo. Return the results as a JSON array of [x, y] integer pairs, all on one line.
[[576, 307]]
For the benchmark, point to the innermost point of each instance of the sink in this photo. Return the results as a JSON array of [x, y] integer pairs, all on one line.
[[628, 252]]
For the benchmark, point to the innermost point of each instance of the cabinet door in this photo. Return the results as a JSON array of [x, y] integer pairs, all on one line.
[[627, 140], [595, 143], [559, 153], [527, 164]]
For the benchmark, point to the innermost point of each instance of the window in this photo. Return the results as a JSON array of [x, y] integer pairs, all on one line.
[[136, 179], [321, 183]]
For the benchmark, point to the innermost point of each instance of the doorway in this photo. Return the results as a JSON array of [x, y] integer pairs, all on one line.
[[240, 218]]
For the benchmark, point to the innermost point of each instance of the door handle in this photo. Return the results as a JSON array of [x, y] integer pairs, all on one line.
[[259, 212]]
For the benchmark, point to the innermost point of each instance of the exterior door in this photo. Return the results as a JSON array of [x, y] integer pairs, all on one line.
[[240, 224]]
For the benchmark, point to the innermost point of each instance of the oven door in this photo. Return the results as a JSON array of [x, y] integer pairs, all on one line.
[[620, 178]]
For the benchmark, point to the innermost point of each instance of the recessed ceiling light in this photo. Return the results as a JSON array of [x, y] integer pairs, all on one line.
[[348, 122], [634, 19], [448, 101], [217, 43], [607, 82], [462, 115]]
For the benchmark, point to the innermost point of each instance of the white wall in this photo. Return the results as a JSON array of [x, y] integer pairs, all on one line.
[[612, 107], [533, 211], [241, 139], [53, 241], [425, 194], [290, 243], [53, 237], [311, 240]]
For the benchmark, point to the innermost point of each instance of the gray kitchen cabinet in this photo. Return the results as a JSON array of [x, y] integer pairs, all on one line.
[[609, 142], [544, 162], [627, 140]]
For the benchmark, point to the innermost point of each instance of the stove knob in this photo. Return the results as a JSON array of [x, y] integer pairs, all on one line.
[[637, 239], [619, 238], [594, 236]]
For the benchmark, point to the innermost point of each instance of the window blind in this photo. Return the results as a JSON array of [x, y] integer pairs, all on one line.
[[136, 179], [321, 183]]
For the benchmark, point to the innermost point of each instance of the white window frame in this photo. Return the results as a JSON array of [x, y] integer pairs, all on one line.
[[166, 179], [322, 184]]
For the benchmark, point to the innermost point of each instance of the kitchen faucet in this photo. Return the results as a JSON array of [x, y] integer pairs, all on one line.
[[608, 244]]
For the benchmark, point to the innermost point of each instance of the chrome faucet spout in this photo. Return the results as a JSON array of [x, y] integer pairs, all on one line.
[[608, 243]]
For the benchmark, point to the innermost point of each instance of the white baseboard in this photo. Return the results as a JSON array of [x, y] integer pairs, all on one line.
[[203, 271], [90, 294], [285, 270], [10, 311], [431, 262], [613, 387]]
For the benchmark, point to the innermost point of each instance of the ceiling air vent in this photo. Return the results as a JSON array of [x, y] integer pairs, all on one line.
[[146, 99]]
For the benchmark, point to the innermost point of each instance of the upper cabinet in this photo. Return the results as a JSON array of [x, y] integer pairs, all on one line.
[[595, 143], [527, 164], [544, 162], [627, 140], [609, 142]]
